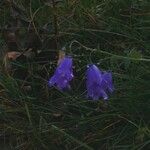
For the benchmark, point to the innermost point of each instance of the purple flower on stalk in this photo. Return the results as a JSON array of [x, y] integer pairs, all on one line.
[[98, 83], [63, 74]]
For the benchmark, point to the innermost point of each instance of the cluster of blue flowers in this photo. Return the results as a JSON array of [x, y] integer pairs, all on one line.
[[98, 83]]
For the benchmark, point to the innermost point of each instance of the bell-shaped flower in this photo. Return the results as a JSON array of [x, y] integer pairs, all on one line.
[[63, 74], [98, 83]]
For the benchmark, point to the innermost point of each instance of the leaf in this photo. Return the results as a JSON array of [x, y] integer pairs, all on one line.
[[57, 115], [13, 55]]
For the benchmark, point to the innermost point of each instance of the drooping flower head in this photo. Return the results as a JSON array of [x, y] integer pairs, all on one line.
[[98, 83], [63, 74]]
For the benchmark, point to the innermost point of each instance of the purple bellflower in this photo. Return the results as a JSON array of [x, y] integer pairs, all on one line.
[[98, 83], [62, 75]]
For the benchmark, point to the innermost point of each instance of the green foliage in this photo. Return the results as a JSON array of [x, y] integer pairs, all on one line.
[[114, 34]]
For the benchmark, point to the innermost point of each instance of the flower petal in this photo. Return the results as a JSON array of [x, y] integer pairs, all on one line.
[[98, 83], [63, 74]]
